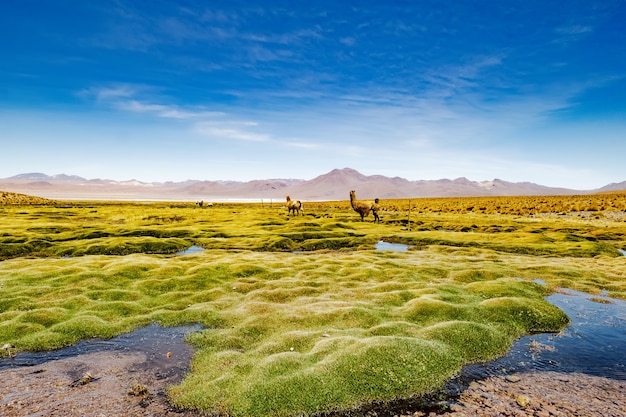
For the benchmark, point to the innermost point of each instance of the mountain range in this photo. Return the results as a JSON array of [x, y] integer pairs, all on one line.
[[332, 186]]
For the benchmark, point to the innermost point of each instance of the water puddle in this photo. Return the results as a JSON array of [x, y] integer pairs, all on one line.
[[190, 250], [594, 343], [397, 247], [159, 344]]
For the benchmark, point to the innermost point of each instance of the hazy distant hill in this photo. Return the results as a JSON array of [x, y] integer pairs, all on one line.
[[38, 176], [334, 185], [615, 186]]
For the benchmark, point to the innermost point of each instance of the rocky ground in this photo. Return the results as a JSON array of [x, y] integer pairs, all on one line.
[[121, 384], [92, 385], [540, 394]]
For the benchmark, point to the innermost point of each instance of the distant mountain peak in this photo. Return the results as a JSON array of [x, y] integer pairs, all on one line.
[[345, 173], [331, 186], [39, 176], [31, 176], [64, 177]]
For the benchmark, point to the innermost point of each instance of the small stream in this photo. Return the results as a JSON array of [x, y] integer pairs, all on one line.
[[594, 343], [153, 340]]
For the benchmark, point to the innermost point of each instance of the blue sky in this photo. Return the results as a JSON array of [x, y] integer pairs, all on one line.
[[240, 90]]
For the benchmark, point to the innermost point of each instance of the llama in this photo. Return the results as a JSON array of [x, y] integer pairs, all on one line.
[[364, 207], [294, 206]]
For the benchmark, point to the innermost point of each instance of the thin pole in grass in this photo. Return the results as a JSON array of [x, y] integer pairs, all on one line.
[[271, 203], [409, 217]]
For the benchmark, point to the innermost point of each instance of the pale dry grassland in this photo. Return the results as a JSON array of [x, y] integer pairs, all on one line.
[[302, 315]]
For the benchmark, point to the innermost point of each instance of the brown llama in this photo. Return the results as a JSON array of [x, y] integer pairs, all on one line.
[[364, 207], [294, 206]]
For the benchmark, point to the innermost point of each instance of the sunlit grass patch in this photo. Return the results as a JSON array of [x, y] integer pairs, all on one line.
[[277, 321], [122, 228], [474, 342], [302, 315], [46, 317], [337, 372], [427, 311], [323, 342], [78, 327], [529, 316]]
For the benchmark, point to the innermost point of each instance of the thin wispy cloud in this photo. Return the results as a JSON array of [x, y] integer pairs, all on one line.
[[165, 111], [220, 132], [210, 124], [573, 30], [108, 94]]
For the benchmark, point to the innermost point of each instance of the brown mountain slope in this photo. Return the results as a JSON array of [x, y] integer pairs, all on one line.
[[334, 185], [16, 198]]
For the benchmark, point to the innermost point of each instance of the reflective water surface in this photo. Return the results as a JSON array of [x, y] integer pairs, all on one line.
[[153, 340], [398, 247], [594, 343], [190, 250]]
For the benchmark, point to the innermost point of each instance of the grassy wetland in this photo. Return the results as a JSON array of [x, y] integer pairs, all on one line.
[[302, 315]]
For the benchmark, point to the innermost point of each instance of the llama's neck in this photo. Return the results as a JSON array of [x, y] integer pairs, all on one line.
[[353, 202]]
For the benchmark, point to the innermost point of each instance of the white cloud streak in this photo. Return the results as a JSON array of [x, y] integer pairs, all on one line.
[[221, 132], [165, 111]]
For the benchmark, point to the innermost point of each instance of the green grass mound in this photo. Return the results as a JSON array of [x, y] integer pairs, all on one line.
[[335, 373], [302, 354]]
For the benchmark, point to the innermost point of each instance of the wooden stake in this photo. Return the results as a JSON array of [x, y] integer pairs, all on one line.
[[409, 223]]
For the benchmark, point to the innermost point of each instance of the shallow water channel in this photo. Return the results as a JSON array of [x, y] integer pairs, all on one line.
[[396, 247], [190, 250], [593, 344], [153, 340]]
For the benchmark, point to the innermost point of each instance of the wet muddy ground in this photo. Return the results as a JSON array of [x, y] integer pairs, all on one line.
[[124, 376], [120, 384], [95, 384]]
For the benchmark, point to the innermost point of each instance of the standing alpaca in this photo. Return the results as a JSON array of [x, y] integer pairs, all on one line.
[[364, 207], [295, 206]]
